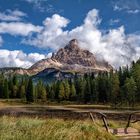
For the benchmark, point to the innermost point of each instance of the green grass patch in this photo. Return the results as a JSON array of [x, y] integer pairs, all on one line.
[[25, 128]]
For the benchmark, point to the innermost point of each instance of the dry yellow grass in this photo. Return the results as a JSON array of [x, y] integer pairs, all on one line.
[[24, 128], [136, 125]]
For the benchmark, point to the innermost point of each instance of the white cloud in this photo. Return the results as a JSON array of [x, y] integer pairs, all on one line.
[[55, 22], [128, 6], [119, 49], [31, 1], [114, 46], [117, 8], [10, 15], [114, 21], [18, 58], [133, 11], [92, 18], [1, 41], [43, 6], [18, 28], [51, 32], [37, 4]]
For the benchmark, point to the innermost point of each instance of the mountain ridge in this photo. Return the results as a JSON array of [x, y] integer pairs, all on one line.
[[70, 58]]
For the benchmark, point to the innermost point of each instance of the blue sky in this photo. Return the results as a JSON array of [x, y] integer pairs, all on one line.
[[30, 29]]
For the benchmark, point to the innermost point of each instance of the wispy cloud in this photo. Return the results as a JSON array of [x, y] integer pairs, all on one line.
[[128, 6], [114, 21], [43, 6], [133, 11], [1, 41], [116, 8], [12, 15]]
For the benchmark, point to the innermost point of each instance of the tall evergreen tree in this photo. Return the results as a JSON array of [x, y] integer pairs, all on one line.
[[115, 89], [43, 93], [94, 91], [130, 89], [67, 89], [102, 88], [57, 90], [136, 76], [1, 85], [80, 85], [87, 91], [61, 91], [15, 80], [5, 89], [30, 91], [72, 92], [39, 89], [22, 92]]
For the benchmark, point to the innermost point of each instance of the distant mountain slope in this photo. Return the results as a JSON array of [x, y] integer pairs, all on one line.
[[15, 70], [70, 59]]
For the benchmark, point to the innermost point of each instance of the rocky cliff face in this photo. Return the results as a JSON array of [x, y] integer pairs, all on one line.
[[71, 58], [9, 71], [72, 54], [43, 64]]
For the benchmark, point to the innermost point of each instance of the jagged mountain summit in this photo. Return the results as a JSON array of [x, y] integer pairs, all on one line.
[[70, 59], [72, 54]]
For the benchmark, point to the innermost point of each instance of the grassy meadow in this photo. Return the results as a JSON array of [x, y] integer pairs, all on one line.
[[25, 128], [45, 128]]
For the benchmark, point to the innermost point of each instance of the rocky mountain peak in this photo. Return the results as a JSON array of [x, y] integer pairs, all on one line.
[[73, 44], [73, 59], [72, 54], [67, 59]]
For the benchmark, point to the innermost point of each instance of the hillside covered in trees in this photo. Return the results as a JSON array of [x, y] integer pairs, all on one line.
[[121, 87]]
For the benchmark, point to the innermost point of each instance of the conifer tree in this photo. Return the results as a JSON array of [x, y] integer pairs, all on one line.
[[48, 88], [136, 76], [67, 89], [22, 91], [130, 89], [15, 80], [61, 91], [72, 92], [80, 88], [57, 90], [102, 88], [87, 91], [43, 93], [5, 89], [94, 91], [15, 87], [1, 85], [115, 89], [38, 89], [15, 91], [30, 91]]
